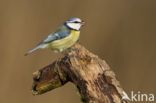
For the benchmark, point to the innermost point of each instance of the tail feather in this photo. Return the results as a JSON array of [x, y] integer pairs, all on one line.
[[38, 47]]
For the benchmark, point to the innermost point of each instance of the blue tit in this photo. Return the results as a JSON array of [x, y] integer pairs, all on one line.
[[63, 38]]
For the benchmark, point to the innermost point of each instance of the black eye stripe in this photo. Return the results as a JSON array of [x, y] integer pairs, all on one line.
[[76, 22]]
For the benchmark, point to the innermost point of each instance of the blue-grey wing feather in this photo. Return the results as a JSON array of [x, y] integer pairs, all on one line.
[[60, 33]]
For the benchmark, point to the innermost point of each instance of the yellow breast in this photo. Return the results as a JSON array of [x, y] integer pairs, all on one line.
[[62, 44]]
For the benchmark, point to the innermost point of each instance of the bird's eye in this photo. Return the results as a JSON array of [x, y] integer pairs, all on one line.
[[76, 22]]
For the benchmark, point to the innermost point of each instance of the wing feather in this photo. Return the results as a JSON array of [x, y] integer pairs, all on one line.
[[60, 33]]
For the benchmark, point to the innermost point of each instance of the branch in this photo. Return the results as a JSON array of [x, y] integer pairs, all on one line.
[[94, 79]]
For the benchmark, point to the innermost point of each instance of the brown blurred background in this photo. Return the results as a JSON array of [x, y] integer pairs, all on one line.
[[120, 31]]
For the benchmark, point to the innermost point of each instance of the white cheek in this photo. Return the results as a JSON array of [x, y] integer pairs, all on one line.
[[74, 26]]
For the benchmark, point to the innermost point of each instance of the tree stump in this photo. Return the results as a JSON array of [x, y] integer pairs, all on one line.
[[95, 81]]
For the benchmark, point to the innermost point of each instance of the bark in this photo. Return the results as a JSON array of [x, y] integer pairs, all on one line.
[[95, 81]]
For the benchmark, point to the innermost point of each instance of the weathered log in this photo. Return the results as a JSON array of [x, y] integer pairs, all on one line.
[[95, 81]]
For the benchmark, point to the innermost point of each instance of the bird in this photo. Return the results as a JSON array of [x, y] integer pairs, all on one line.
[[63, 38]]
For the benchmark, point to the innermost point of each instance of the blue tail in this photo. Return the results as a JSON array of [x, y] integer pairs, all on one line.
[[38, 47]]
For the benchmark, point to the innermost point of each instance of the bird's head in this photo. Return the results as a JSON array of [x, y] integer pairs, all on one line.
[[74, 23]]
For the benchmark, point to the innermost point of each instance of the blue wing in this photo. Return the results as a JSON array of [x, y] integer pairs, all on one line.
[[60, 33]]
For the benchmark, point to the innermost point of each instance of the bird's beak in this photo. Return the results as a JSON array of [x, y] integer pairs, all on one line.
[[82, 23]]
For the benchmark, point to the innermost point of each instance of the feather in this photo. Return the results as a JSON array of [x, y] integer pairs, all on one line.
[[60, 33], [38, 47]]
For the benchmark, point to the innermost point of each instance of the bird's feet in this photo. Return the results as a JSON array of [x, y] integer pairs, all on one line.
[[70, 52], [73, 49]]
